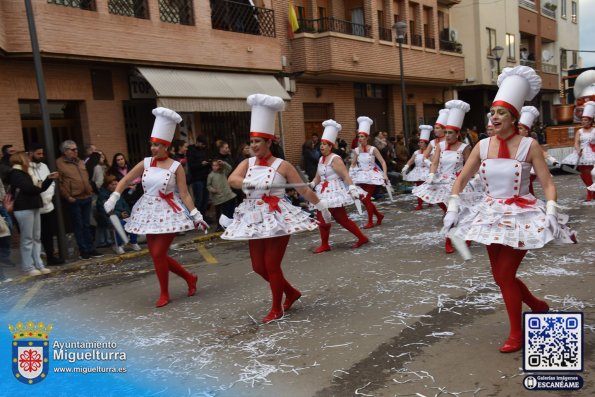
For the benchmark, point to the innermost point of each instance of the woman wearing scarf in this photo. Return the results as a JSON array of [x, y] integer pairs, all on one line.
[[330, 184], [162, 210], [365, 173], [264, 218], [506, 217]]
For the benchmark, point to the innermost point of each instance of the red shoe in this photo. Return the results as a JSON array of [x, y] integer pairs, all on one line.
[[448, 246], [290, 300], [369, 225], [468, 242], [542, 307], [192, 284], [272, 316], [322, 248], [511, 345], [419, 207], [380, 218], [162, 301], [359, 243], [589, 196]]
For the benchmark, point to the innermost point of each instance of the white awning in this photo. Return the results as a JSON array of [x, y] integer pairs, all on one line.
[[199, 91]]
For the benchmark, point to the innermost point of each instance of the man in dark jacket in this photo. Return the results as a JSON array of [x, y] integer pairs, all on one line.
[[199, 166], [311, 155]]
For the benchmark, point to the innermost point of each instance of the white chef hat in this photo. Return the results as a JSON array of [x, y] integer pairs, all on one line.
[[589, 110], [331, 130], [364, 123], [528, 116], [164, 126], [490, 120], [517, 85], [589, 91], [456, 114], [424, 132], [264, 109], [442, 118]]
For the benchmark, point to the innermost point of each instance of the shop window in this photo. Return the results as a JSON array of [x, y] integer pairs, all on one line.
[[101, 81]]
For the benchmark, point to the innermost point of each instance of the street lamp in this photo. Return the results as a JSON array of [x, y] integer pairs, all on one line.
[[497, 53], [400, 29]]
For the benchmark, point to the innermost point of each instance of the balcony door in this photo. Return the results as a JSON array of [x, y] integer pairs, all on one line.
[[357, 20]]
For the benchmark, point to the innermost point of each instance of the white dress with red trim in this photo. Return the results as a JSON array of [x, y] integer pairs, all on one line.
[[365, 170], [264, 213], [506, 213], [587, 143], [160, 210], [331, 187], [420, 171], [451, 164]]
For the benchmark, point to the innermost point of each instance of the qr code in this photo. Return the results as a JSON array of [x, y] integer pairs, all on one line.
[[553, 342]]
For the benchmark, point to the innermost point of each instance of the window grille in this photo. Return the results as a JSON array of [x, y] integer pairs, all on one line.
[[242, 18], [176, 11], [129, 8], [88, 5]]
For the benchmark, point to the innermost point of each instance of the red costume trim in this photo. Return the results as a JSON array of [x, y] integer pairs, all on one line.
[[154, 160], [273, 202], [520, 202], [508, 106], [159, 140], [503, 152], [265, 135], [329, 142], [264, 161]]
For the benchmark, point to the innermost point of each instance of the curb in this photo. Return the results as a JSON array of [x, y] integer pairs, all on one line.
[[83, 264]]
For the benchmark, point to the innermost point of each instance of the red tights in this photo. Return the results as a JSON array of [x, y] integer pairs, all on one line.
[[340, 215], [505, 262], [158, 245], [587, 178], [370, 207], [266, 255]]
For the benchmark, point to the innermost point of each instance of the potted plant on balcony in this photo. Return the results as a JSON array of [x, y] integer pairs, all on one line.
[[550, 6]]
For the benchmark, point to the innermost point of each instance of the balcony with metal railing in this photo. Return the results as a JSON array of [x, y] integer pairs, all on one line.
[[385, 34], [242, 18], [430, 42], [548, 9], [416, 40], [549, 68], [331, 24], [451, 46], [526, 62], [528, 4]]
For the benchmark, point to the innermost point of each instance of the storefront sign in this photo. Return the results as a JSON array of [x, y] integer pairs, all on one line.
[[140, 88]]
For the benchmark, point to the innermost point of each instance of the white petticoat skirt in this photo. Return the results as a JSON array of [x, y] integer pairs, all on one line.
[[336, 193], [440, 191], [417, 174], [254, 219], [153, 215], [588, 157], [487, 220], [369, 177]]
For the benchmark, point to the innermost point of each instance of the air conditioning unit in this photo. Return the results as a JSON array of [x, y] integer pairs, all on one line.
[[453, 35]]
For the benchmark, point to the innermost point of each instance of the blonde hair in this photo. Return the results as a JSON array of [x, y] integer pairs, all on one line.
[[20, 158]]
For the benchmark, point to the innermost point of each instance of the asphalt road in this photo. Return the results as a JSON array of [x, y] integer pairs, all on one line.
[[396, 317]]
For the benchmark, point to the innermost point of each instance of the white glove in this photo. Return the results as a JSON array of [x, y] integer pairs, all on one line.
[[551, 160], [312, 185], [199, 223], [322, 206], [353, 192], [110, 203], [404, 170], [430, 178], [451, 218], [248, 185], [428, 162], [551, 217]]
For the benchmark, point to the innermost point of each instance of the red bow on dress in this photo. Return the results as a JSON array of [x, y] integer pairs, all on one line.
[[520, 201], [169, 198], [273, 202]]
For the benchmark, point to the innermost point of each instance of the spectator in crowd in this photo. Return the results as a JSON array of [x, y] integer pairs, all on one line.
[[5, 237], [7, 151], [122, 211], [224, 153], [342, 149], [473, 135], [119, 168], [401, 151], [199, 166], [243, 153], [95, 171], [88, 150], [277, 147], [180, 148], [77, 193], [26, 190], [222, 197], [311, 155], [49, 221], [413, 142], [295, 198]]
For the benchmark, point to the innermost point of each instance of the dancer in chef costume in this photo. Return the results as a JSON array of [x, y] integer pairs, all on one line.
[[264, 218], [447, 163], [365, 173], [162, 211], [330, 184], [506, 217], [584, 148], [420, 170]]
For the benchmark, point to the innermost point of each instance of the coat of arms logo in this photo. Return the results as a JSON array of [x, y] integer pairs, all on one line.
[[30, 351]]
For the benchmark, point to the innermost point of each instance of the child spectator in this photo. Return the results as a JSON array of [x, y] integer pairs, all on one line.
[[221, 195], [296, 199]]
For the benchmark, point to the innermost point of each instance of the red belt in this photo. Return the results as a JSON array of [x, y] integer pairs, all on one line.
[[520, 201], [169, 199], [273, 202]]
